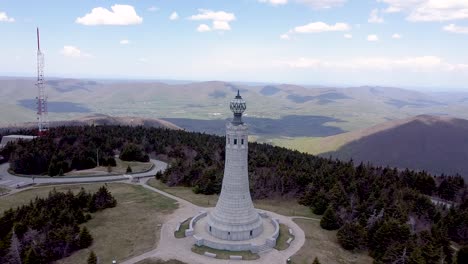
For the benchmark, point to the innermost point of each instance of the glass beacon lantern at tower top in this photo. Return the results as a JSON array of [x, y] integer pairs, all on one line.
[[238, 107]]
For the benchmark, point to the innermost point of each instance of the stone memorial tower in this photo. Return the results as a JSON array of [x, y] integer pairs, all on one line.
[[234, 217]]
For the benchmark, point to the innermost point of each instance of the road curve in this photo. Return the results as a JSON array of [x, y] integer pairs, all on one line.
[[10, 180]]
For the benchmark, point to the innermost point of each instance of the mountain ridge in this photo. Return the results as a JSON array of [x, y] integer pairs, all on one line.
[[425, 142]]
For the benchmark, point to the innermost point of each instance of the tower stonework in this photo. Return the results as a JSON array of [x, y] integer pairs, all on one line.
[[234, 217]]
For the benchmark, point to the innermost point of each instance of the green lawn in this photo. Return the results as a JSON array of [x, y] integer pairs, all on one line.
[[129, 229], [121, 168], [288, 207], [186, 193], [184, 226], [224, 254], [283, 238], [3, 190], [323, 244]]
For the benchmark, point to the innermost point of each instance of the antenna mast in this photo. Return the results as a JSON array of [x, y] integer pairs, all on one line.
[[42, 114]]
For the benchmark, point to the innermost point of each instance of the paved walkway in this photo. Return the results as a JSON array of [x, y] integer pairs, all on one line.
[[170, 247], [12, 181]]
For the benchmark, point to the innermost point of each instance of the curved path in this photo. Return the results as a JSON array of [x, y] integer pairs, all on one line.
[[169, 247], [12, 181]]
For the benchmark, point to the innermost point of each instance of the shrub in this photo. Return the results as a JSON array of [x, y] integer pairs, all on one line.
[[330, 220]]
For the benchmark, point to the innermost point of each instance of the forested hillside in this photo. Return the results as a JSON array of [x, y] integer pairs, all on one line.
[[47, 229], [383, 210]]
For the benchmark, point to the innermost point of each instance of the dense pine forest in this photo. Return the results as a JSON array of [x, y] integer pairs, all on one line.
[[383, 210], [47, 229]]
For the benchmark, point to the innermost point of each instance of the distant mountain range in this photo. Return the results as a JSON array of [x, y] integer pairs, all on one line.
[[99, 120], [346, 109], [365, 123], [432, 143]]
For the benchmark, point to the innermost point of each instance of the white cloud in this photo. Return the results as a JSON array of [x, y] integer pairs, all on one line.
[[415, 64], [221, 25], [316, 4], [429, 10], [322, 4], [318, 27], [143, 60], [118, 15], [285, 37], [124, 42], [5, 18], [372, 38], [456, 29], [274, 2], [74, 52], [213, 15], [220, 19], [153, 8], [348, 36], [174, 16], [396, 36], [374, 17], [203, 28]]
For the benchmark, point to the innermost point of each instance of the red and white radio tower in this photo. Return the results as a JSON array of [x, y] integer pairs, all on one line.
[[42, 115]]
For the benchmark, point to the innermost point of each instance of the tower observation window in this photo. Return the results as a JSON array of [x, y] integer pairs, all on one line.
[[235, 141], [242, 141]]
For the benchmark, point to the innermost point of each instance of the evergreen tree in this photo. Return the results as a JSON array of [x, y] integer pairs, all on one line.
[[416, 257], [388, 233], [14, 254], [158, 175], [431, 253], [32, 257], [129, 169], [92, 258], [133, 152], [320, 203], [330, 221], [102, 199], [316, 261], [85, 238], [462, 256], [352, 236]]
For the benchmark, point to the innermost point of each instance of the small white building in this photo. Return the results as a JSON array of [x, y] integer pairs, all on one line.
[[14, 138]]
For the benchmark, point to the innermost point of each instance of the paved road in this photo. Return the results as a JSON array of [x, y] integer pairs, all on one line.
[[12, 181]]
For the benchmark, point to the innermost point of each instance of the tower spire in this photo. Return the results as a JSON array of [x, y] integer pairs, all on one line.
[[38, 39]]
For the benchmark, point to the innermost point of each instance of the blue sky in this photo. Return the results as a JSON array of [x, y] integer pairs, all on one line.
[[407, 43]]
